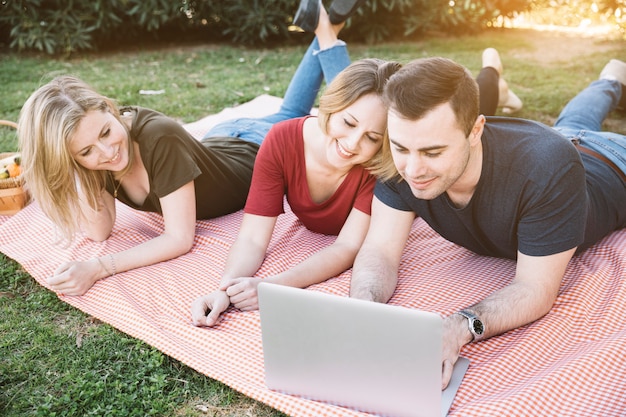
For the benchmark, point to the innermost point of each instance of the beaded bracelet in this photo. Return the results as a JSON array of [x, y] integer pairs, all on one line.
[[113, 264]]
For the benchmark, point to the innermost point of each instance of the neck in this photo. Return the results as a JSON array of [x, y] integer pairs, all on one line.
[[463, 189]]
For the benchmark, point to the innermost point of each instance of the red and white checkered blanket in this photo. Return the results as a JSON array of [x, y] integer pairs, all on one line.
[[570, 363]]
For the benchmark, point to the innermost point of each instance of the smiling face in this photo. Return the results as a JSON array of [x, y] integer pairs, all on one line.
[[100, 142], [433, 155], [355, 134]]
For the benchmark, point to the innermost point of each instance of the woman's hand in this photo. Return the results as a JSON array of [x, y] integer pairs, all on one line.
[[243, 292], [206, 310], [77, 277]]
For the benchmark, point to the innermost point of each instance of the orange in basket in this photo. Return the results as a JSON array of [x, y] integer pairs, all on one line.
[[13, 196]]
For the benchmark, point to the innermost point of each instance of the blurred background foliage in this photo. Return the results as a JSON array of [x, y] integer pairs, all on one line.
[[58, 27]]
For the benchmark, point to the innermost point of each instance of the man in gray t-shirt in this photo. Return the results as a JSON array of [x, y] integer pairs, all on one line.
[[501, 187]]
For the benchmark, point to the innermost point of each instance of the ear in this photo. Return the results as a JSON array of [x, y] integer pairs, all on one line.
[[477, 131]]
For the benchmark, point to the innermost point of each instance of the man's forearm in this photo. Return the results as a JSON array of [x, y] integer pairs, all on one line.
[[528, 297], [373, 278], [513, 306]]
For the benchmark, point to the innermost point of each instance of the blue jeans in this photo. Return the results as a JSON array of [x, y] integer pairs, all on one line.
[[581, 120], [299, 98]]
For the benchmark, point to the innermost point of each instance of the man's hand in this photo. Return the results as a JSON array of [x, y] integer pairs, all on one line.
[[214, 304], [455, 335], [533, 291], [243, 292]]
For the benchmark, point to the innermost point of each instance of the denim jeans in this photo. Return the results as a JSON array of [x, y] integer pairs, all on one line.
[[299, 98], [581, 120]]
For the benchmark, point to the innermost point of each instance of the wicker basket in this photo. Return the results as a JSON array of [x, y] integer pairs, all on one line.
[[13, 196]]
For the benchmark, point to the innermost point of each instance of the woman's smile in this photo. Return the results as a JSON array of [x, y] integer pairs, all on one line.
[[342, 151]]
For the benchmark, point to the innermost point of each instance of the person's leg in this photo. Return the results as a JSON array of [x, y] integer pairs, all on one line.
[[494, 90], [616, 70], [487, 80], [316, 65], [324, 59], [591, 106], [581, 119]]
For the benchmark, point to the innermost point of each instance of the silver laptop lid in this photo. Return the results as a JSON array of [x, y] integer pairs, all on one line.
[[363, 355]]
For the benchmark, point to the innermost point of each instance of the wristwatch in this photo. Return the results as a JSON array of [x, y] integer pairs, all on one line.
[[475, 325]]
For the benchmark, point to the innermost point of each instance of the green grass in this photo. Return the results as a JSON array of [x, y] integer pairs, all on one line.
[[57, 361]]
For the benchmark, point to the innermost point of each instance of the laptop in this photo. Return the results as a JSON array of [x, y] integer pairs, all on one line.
[[367, 356]]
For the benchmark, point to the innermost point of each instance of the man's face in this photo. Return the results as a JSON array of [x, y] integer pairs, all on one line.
[[431, 154]]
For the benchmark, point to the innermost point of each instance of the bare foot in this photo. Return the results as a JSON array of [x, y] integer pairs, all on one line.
[[508, 100]]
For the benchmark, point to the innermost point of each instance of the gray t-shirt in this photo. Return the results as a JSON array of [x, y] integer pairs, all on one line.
[[535, 195]]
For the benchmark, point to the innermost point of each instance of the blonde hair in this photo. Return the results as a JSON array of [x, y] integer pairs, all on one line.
[[366, 76], [47, 123]]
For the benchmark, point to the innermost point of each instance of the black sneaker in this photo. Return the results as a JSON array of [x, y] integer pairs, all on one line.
[[341, 10], [308, 15]]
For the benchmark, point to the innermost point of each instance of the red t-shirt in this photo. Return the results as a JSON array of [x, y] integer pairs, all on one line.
[[280, 170]]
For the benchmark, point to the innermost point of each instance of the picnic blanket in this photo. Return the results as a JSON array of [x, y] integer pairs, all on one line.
[[572, 362]]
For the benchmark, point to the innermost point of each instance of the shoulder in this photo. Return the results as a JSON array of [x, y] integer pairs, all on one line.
[[150, 128], [362, 175], [395, 193], [285, 136], [286, 130], [526, 144], [514, 132], [154, 124]]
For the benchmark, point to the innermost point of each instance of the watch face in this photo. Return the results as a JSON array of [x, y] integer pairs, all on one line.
[[478, 327]]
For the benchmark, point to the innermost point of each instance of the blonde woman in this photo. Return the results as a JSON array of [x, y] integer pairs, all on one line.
[[81, 152]]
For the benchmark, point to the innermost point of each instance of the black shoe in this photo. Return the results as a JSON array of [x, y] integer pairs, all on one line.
[[308, 15], [341, 10]]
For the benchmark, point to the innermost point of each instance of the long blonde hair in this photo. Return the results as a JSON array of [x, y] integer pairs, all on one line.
[[366, 76], [47, 123]]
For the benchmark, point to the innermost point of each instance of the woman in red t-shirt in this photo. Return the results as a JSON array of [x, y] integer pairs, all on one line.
[[319, 164]]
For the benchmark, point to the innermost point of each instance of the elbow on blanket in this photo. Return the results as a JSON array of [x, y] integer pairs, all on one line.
[[98, 237], [547, 306], [541, 306], [184, 244]]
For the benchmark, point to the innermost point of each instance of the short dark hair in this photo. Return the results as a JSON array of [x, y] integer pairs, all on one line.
[[421, 86], [426, 83]]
